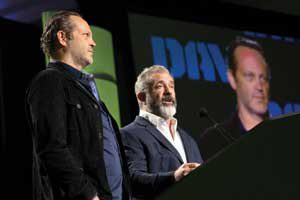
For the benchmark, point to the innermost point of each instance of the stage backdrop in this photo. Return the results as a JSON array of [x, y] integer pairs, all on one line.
[[196, 56]]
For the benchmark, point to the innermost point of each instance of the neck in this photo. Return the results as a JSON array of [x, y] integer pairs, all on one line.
[[249, 120], [170, 123], [154, 113], [68, 60]]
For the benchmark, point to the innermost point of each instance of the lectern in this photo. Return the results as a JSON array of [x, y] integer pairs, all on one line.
[[264, 164]]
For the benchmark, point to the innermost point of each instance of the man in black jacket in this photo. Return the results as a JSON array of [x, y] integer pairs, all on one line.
[[78, 153]]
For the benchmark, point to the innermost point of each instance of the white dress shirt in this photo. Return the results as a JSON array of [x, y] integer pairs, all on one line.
[[162, 126]]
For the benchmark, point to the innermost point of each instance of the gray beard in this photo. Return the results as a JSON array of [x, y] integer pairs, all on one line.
[[167, 112], [157, 108]]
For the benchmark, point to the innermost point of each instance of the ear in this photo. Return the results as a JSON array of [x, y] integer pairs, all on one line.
[[231, 79], [141, 96], [62, 38]]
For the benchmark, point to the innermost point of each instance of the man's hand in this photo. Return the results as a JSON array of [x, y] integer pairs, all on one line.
[[184, 170]]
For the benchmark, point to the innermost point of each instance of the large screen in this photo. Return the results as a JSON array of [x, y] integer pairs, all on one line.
[[195, 54]]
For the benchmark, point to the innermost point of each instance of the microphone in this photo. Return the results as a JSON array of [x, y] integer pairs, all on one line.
[[204, 113]]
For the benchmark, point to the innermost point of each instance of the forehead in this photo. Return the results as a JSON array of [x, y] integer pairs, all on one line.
[[162, 76], [79, 23], [249, 59]]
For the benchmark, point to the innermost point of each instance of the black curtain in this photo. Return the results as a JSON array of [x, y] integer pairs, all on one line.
[[2, 121], [21, 58]]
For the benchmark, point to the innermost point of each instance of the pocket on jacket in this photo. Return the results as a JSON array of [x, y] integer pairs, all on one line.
[[72, 110]]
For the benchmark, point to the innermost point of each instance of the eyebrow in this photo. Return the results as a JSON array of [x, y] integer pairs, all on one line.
[[162, 81]]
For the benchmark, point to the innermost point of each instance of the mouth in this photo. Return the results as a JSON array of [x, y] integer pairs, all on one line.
[[259, 98], [168, 101]]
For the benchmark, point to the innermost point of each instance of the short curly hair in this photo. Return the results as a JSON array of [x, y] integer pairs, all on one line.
[[59, 21]]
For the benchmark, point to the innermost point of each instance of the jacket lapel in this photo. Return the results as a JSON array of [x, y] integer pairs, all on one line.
[[186, 143], [150, 128], [86, 92]]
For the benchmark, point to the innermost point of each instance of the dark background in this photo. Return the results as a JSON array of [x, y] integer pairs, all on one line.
[[21, 58]]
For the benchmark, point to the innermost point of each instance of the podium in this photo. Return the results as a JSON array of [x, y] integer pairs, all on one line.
[[264, 164]]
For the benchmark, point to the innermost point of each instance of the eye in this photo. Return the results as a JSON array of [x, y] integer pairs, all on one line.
[[159, 85], [264, 78], [86, 34], [249, 76]]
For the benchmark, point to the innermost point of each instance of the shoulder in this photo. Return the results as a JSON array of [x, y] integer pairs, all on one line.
[[138, 130], [49, 75], [131, 128], [47, 81], [132, 134]]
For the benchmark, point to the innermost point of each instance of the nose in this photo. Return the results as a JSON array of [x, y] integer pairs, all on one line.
[[93, 43], [167, 89], [259, 83]]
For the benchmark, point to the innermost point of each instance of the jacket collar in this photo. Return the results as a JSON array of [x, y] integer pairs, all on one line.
[[157, 121], [59, 66], [150, 128]]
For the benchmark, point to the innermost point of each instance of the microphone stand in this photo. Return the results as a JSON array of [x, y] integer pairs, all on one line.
[[204, 113]]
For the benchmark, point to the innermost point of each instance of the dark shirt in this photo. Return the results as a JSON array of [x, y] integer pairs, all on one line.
[[78, 75], [213, 141], [111, 149]]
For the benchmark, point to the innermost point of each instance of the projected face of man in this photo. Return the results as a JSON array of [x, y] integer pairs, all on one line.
[[250, 81], [161, 99]]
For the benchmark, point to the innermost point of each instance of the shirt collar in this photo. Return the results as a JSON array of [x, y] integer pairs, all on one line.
[[75, 73], [157, 121]]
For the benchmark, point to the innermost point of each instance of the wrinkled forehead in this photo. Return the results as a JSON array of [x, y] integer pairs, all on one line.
[[161, 76]]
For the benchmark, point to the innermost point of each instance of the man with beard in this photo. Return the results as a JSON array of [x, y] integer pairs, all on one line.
[[158, 152], [248, 75]]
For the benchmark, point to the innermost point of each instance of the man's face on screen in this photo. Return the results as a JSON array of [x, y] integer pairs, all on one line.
[[251, 81], [161, 99]]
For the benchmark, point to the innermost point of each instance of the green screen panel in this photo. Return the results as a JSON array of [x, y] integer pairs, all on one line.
[[104, 71], [103, 68], [103, 53], [45, 16]]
